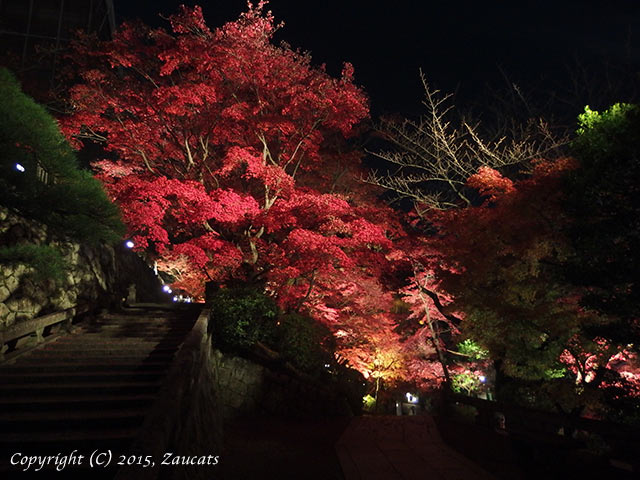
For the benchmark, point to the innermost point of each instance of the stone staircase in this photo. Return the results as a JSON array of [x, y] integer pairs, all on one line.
[[88, 390]]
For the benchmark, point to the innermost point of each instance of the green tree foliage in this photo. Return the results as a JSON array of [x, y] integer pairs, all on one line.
[[465, 383], [46, 261], [240, 317], [304, 342], [244, 316], [472, 350], [604, 203], [51, 189]]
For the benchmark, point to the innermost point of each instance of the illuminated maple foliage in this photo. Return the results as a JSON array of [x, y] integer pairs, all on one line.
[[498, 235], [230, 159], [225, 149]]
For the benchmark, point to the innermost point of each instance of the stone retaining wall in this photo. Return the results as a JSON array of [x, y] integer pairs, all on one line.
[[96, 275], [248, 388]]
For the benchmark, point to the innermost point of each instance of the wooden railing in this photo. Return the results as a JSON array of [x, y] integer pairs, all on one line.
[[621, 443], [37, 328]]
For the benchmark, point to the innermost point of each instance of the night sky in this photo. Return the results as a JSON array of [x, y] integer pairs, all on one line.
[[460, 45]]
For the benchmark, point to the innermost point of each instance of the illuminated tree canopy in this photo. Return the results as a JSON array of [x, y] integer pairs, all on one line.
[[228, 152], [230, 159], [513, 261], [233, 162]]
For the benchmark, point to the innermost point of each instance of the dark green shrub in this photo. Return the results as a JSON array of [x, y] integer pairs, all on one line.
[[69, 199], [46, 261], [352, 385], [603, 200], [304, 343], [240, 317]]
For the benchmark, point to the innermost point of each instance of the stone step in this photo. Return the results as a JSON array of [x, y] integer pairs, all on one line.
[[128, 341], [133, 357], [107, 351], [165, 322], [86, 401], [104, 354], [70, 415], [149, 365], [46, 441], [86, 364], [144, 314], [121, 345], [87, 389], [95, 327], [14, 378], [114, 334], [132, 326], [130, 330], [78, 388], [138, 323], [39, 421], [96, 339]]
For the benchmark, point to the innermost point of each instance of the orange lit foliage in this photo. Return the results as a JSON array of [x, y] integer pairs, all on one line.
[[498, 262], [501, 263]]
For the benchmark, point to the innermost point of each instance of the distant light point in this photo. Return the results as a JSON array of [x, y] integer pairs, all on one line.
[[129, 244], [19, 167], [411, 398]]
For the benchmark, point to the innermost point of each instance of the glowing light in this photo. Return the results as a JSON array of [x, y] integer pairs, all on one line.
[[129, 244], [482, 378], [175, 299], [19, 167], [411, 398], [167, 288]]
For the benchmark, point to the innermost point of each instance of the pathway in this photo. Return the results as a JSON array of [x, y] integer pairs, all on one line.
[[401, 448], [89, 389]]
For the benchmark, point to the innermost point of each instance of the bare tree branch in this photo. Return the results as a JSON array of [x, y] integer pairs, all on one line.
[[434, 158]]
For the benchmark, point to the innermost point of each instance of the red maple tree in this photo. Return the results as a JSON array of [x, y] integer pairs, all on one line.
[[229, 153], [230, 159]]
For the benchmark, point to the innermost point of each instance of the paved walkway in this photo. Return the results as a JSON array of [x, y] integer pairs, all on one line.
[[401, 448]]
